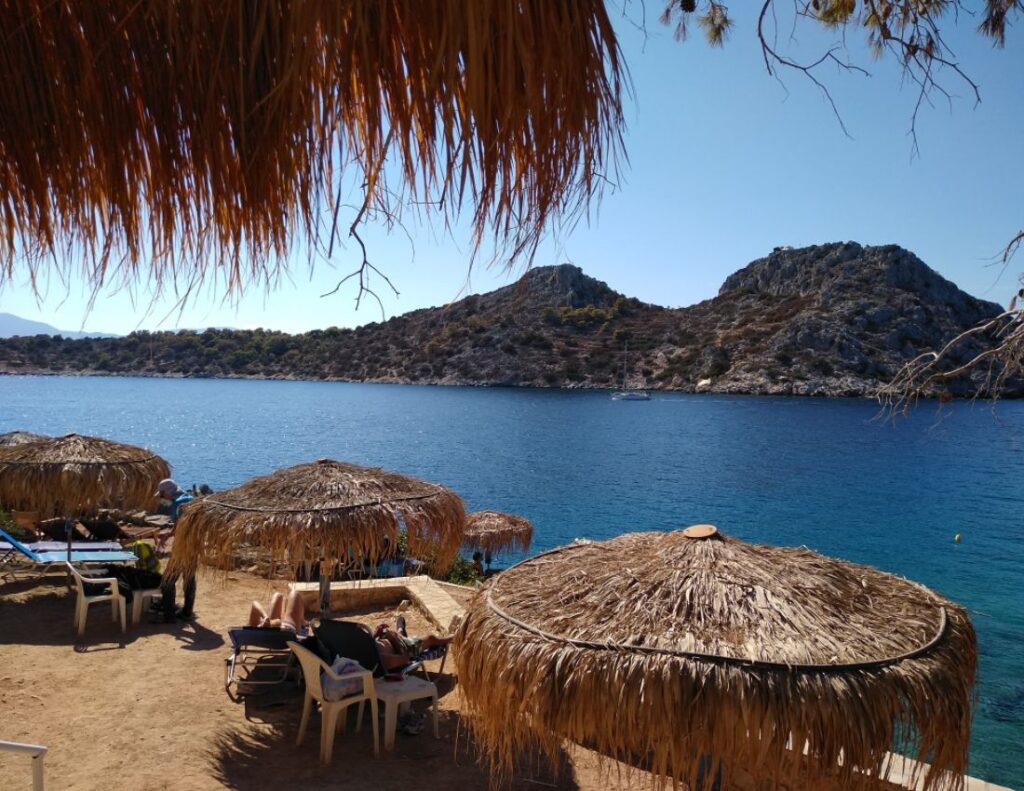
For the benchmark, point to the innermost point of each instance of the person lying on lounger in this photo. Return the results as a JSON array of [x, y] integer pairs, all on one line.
[[396, 648], [281, 613]]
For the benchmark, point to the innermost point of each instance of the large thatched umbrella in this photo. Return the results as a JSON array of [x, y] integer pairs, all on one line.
[[691, 654], [325, 509], [494, 531], [75, 474], [19, 438], [202, 138]]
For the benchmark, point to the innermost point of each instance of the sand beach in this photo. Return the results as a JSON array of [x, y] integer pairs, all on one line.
[[147, 709]]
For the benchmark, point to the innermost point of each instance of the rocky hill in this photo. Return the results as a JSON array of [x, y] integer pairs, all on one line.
[[835, 319]]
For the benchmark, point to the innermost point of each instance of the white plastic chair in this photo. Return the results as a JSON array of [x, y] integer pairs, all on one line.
[[312, 666], [139, 600], [118, 606]]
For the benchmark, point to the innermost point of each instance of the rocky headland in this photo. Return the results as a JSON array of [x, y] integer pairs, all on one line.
[[832, 320]]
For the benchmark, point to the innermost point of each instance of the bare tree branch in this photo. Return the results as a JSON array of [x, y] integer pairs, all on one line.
[[922, 376]]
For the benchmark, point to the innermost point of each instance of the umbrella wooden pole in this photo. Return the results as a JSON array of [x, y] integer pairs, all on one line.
[[325, 592], [67, 534]]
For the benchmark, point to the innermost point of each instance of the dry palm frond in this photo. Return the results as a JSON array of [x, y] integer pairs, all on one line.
[[198, 139], [326, 509], [493, 531], [686, 655], [78, 475], [19, 438]]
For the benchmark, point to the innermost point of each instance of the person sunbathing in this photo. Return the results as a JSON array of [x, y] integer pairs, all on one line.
[[397, 649], [281, 613]]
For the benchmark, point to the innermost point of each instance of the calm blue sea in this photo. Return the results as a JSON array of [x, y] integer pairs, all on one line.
[[814, 472]]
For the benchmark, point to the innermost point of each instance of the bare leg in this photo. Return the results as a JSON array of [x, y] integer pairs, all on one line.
[[433, 641], [294, 610], [257, 615], [390, 659], [391, 638], [276, 607]]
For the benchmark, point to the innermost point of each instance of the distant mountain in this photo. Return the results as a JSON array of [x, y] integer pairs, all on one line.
[[11, 326], [834, 319]]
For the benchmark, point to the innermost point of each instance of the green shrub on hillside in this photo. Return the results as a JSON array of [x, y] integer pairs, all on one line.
[[587, 316]]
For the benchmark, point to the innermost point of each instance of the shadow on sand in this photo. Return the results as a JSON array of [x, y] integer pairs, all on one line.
[[41, 611], [263, 753]]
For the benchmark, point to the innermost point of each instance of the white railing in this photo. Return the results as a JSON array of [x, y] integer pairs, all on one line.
[[37, 752]]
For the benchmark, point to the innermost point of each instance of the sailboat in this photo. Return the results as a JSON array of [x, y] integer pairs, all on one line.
[[625, 394]]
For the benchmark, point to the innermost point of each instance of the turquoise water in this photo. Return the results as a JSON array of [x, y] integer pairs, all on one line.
[[822, 473]]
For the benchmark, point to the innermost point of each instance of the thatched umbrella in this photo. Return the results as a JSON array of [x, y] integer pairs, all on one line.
[[325, 509], [692, 655], [493, 532], [19, 438], [74, 475], [202, 138]]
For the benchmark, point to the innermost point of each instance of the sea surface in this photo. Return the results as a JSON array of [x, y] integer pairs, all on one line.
[[823, 473]]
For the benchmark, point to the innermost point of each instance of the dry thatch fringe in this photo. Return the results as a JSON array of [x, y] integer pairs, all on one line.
[[78, 475], [198, 139], [19, 438], [493, 531], [326, 509], [595, 643]]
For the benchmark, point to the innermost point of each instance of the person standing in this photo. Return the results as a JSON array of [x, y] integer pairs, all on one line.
[[478, 565], [168, 490], [173, 499]]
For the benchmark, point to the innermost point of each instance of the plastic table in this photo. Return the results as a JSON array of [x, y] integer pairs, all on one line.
[[394, 694]]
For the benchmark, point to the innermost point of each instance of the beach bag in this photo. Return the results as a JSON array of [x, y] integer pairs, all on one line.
[[343, 687]]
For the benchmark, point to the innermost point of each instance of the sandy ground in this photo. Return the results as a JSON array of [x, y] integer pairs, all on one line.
[[147, 710]]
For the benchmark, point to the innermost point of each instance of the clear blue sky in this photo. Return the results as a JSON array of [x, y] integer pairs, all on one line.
[[724, 164]]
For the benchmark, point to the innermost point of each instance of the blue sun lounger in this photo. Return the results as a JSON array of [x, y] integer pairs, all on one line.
[[262, 654], [46, 555]]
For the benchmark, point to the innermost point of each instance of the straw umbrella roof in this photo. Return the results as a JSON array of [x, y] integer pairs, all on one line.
[[325, 508], [19, 438], [75, 474], [494, 531], [201, 139], [663, 648]]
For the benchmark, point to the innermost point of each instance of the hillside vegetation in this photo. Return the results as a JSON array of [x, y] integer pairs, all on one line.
[[836, 319]]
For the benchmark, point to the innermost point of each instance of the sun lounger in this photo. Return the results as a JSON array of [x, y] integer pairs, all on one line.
[[103, 529], [353, 640], [56, 530], [46, 558], [139, 533], [258, 648], [62, 546]]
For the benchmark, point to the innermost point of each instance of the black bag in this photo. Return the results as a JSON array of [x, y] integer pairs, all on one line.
[[129, 579]]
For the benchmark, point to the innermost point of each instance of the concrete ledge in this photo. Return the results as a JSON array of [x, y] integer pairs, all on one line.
[[902, 771], [440, 608]]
